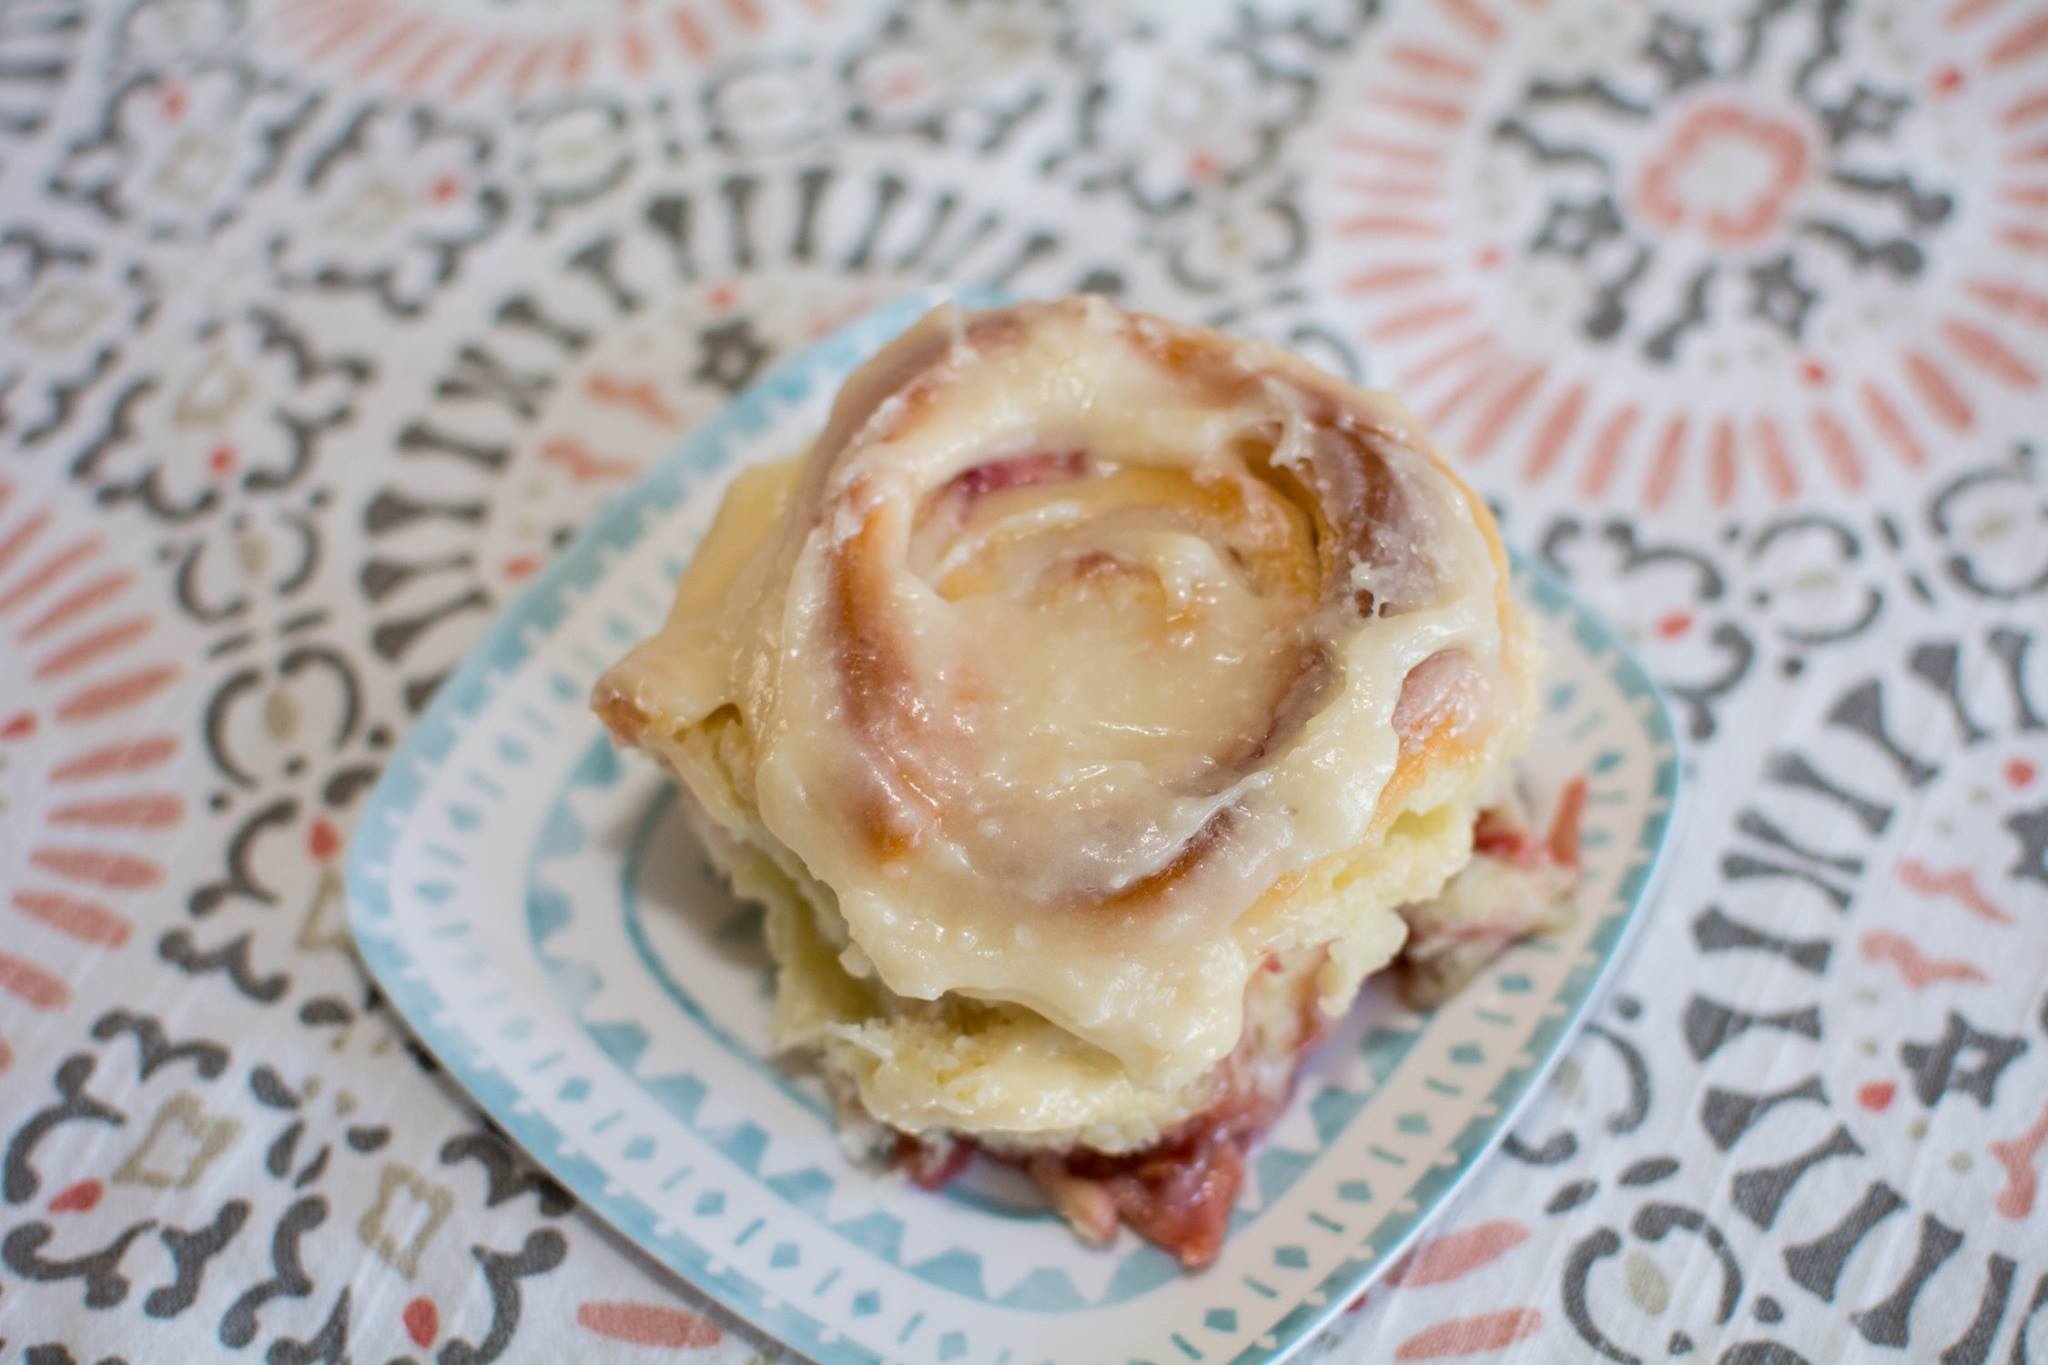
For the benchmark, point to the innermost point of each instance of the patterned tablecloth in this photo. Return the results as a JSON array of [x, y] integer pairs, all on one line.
[[323, 324]]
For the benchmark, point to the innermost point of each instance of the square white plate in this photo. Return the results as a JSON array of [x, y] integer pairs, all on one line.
[[533, 905]]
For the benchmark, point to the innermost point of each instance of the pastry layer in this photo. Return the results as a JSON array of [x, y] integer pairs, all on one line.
[[1013, 1080]]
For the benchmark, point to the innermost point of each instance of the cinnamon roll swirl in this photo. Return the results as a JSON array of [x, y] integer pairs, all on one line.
[[1086, 705]]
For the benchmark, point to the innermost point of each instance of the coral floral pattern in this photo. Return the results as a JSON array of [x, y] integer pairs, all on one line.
[[324, 324], [1754, 254], [487, 50], [91, 783]]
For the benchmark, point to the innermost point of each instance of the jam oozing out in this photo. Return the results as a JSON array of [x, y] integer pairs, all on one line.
[[1499, 836], [1018, 471], [1177, 1193]]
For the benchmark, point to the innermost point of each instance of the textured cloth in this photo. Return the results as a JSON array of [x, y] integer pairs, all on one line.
[[323, 324]]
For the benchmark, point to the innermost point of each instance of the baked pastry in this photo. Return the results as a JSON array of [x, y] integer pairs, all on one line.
[[1086, 707]]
